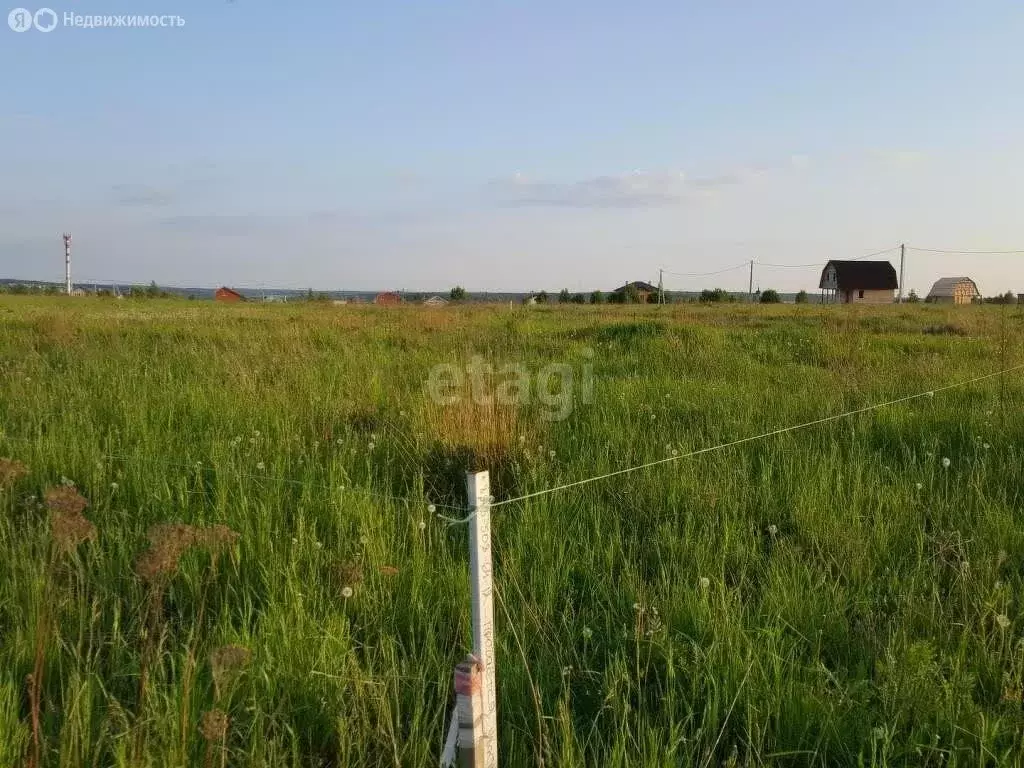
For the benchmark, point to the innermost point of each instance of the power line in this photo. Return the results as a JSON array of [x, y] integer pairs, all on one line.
[[818, 263], [967, 252], [741, 441], [705, 274]]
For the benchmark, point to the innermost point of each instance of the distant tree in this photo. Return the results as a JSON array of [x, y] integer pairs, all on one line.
[[801, 297], [718, 295], [597, 297], [51, 290], [152, 290], [542, 297], [912, 297], [19, 289], [1005, 298], [770, 296], [564, 297], [458, 293], [579, 298]]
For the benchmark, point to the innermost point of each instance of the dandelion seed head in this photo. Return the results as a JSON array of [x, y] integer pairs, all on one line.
[[431, 508], [919, 486], [946, 462], [423, 525], [260, 466], [587, 633], [1003, 621], [346, 592], [705, 582], [773, 529], [551, 454], [986, 446]]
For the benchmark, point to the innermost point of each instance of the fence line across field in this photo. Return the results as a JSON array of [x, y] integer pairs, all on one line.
[[740, 441]]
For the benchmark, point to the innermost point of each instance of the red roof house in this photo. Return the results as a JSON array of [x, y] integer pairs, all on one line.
[[387, 299], [226, 294]]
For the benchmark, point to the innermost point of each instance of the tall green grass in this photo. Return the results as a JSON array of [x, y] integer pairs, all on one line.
[[829, 596]]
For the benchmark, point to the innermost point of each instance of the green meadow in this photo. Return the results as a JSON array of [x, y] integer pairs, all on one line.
[[221, 533]]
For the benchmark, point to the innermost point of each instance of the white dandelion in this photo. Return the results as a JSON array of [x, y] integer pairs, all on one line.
[[423, 525], [773, 530], [431, 508], [261, 466], [705, 582], [114, 486], [986, 446], [920, 486], [587, 633], [551, 454], [370, 446], [945, 462], [1003, 621], [346, 592]]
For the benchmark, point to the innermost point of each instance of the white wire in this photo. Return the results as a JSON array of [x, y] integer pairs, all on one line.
[[741, 441]]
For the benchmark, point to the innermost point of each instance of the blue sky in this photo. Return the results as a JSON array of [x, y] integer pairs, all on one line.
[[513, 145]]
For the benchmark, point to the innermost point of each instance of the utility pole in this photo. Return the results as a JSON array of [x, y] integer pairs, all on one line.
[[903, 250], [67, 263], [661, 289], [750, 287]]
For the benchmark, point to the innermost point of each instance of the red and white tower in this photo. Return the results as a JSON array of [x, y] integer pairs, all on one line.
[[67, 263]]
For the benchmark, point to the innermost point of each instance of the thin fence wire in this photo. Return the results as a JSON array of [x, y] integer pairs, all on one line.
[[740, 441]]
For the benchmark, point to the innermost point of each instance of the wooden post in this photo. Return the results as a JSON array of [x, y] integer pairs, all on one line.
[[469, 707], [478, 491]]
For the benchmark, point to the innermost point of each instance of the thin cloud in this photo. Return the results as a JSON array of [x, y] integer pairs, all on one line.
[[131, 195], [639, 189]]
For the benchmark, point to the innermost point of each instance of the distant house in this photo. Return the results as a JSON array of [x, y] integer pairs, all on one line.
[[859, 282], [227, 295], [638, 288], [387, 299], [953, 290], [435, 301]]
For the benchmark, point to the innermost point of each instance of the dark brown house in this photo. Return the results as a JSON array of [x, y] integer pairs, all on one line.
[[638, 288], [226, 294], [858, 282]]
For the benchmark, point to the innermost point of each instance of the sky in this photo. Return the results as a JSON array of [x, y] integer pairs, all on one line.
[[517, 145]]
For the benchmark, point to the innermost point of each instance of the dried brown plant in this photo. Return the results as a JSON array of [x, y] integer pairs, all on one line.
[[65, 500], [11, 471], [226, 663], [214, 725]]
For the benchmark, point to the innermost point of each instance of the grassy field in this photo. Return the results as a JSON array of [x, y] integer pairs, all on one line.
[[259, 578]]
